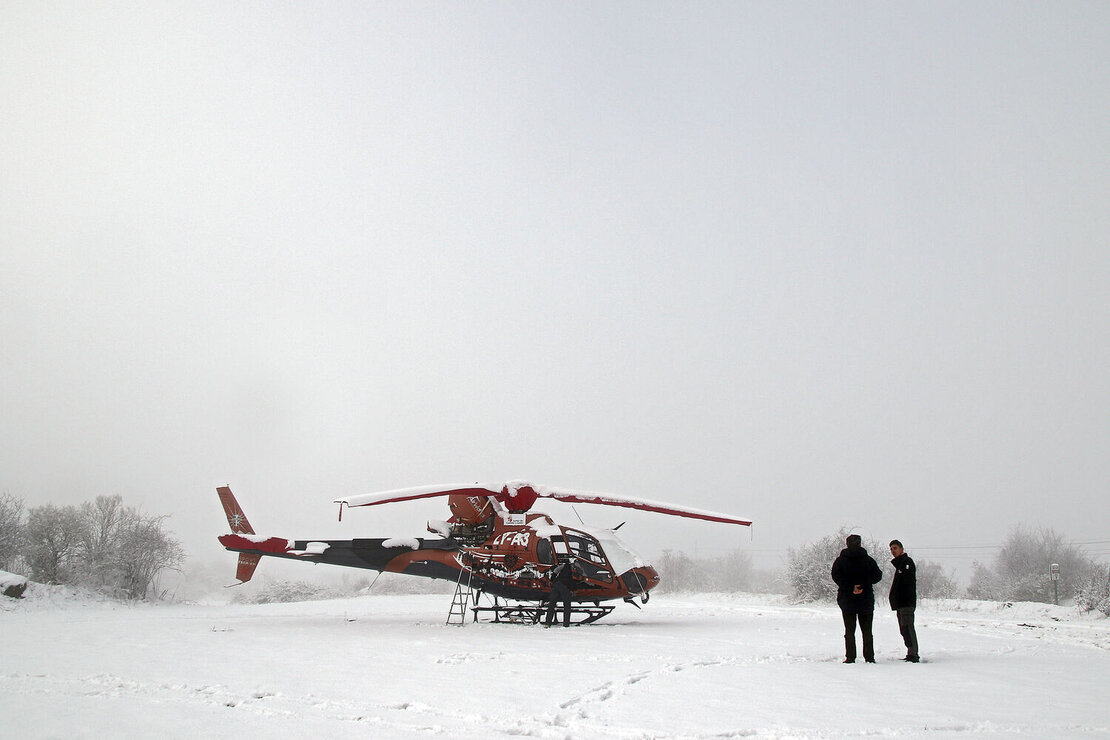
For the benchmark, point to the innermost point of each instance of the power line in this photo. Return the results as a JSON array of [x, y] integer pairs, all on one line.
[[959, 547]]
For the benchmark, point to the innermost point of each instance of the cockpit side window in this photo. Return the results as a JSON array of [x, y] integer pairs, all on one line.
[[545, 552]]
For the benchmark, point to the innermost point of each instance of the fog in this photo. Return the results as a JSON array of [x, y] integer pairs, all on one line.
[[813, 265]]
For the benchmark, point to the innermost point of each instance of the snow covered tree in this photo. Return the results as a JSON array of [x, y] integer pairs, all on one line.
[[52, 538], [122, 550], [1022, 570], [102, 545], [933, 582], [11, 530], [145, 549], [1094, 595], [99, 560], [677, 571], [808, 568], [730, 572]]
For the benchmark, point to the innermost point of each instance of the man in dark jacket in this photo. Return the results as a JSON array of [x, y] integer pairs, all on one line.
[[903, 597], [855, 572], [563, 579]]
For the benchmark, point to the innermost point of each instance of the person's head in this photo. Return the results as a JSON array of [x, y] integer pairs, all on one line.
[[896, 548], [854, 542]]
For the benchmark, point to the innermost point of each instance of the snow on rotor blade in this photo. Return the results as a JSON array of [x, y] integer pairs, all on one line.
[[609, 499], [411, 494]]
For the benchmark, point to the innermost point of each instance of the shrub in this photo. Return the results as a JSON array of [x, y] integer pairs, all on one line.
[[283, 592], [1022, 570], [1094, 595], [808, 568], [11, 530], [105, 546]]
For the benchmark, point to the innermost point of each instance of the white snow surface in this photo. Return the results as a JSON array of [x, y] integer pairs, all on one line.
[[403, 542], [311, 548], [384, 666]]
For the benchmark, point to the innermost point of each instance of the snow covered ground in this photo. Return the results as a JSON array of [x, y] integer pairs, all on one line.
[[708, 666]]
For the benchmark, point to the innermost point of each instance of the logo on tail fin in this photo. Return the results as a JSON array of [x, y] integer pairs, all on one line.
[[235, 516]]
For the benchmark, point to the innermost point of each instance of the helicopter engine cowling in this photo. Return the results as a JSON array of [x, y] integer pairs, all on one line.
[[469, 509]]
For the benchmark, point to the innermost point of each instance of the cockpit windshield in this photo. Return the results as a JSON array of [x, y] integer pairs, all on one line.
[[586, 550], [584, 546], [620, 556]]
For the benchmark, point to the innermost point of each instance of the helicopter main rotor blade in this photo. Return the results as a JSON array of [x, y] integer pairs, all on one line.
[[609, 499], [411, 494], [519, 495]]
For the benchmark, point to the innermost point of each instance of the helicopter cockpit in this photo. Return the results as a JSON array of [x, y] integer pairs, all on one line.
[[586, 550]]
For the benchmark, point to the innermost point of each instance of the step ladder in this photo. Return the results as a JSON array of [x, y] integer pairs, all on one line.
[[461, 599]]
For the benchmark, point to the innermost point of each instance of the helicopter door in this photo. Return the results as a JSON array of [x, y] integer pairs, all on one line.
[[545, 553], [590, 555]]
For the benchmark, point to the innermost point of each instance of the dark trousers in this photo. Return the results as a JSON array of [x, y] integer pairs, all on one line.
[[865, 619], [559, 592], [909, 634]]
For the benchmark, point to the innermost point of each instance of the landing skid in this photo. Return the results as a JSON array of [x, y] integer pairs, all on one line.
[[533, 612]]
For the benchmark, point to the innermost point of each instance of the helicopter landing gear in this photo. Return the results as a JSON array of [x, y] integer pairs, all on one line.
[[533, 612]]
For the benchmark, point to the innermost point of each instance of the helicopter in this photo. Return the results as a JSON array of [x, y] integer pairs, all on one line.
[[493, 544]]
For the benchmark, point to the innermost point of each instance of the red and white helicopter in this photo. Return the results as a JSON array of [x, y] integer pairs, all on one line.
[[492, 544]]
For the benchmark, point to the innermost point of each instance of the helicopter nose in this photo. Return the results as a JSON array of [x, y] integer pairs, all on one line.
[[641, 579]]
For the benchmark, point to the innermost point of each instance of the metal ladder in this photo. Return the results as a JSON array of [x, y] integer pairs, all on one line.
[[461, 598]]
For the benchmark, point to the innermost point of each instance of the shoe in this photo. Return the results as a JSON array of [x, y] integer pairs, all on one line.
[[849, 660], [870, 660], [911, 659]]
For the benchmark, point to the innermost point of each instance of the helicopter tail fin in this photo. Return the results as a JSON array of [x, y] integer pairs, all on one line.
[[235, 516], [244, 570]]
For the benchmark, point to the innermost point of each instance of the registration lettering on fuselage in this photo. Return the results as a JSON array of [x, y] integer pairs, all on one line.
[[519, 539]]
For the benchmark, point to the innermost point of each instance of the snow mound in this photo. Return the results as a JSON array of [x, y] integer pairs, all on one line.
[[43, 596]]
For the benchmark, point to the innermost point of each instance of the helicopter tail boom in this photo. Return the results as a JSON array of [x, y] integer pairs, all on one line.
[[243, 540]]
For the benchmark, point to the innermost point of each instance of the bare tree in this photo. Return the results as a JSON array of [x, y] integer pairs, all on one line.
[[933, 582], [145, 550], [11, 530], [53, 536], [730, 572], [102, 545], [102, 521], [1095, 593], [808, 567], [1022, 570], [676, 571]]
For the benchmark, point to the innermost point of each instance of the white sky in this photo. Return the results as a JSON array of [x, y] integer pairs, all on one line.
[[814, 264]]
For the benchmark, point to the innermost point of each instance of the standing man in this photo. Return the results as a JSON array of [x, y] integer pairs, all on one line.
[[903, 597], [563, 578], [855, 572]]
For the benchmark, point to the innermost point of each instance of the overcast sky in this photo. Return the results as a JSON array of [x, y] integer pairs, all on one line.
[[816, 264]]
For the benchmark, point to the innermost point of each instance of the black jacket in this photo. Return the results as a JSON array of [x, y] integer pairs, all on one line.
[[854, 568], [903, 589], [568, 574]]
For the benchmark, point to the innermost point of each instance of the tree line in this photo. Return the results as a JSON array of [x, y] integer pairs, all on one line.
[[1022, 571], [101, 545]]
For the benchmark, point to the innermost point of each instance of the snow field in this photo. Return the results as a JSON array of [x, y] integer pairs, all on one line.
[[706, 666]]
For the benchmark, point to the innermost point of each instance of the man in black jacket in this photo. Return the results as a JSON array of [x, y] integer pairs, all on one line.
[[855, 572], [564, 577], [903, 597]]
